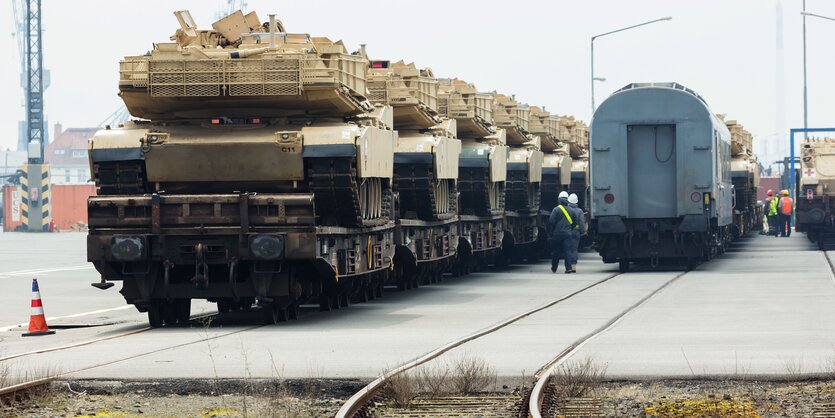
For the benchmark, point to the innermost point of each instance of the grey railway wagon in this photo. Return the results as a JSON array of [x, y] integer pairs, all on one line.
[[660, 176]]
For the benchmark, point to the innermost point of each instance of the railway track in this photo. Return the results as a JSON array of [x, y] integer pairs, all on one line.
[[362, 403], [8, 394], [541, 401]]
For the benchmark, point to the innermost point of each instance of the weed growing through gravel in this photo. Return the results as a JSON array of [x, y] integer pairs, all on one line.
[[471, 375], [577, 379], [401, 389]]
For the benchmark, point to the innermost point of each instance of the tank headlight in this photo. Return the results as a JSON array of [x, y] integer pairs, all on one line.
[[266, 247], [609, 198], [696, 197], [127, 248]]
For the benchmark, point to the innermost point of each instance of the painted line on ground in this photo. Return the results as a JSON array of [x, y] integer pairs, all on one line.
[[25, 272], [53, 318]]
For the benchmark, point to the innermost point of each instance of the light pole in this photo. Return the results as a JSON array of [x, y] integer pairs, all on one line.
[[593, 78], [804, 13]]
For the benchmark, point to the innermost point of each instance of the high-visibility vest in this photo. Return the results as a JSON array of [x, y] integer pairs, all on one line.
[[567, 216], [772, 206], [786, 205]]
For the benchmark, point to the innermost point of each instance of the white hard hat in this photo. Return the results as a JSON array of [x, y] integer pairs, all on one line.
[[563, 194], [573, 199]]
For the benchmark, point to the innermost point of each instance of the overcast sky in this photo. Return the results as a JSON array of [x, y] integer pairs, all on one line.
[[538, 50]]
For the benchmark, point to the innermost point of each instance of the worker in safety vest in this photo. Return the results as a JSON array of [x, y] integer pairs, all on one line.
[[555, 240], [785, 209], [771, 212], [578, 231], [562, 223]]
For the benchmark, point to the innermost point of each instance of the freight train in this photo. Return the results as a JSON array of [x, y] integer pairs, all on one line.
[[277, 169], [662, 184]]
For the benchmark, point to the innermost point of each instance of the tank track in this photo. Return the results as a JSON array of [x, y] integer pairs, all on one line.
[[415, 186], [333, 182], [521, 195], [474, 186]]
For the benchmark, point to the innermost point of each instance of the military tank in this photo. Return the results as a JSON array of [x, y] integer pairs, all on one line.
[[482, 173], [815, 202], [556, 169], [524, 174], [259, 174], [425, 171], [745, 175]]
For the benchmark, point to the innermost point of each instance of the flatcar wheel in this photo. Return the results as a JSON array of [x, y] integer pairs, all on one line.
[[623, 266], [224, 305], [281, 312], [245, 304], [293, 311], [155, 315], [182, 308], [169, 312], [324, 303], [270, 314], [692, 262]]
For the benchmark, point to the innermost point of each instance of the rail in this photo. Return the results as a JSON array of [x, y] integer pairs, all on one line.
[[358, 403], [543, 376]]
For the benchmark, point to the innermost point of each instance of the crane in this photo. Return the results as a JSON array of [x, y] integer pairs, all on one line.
[[34, 176], [27, 15]]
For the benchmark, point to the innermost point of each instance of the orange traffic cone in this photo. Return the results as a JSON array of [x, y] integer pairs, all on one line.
[[37, 321]]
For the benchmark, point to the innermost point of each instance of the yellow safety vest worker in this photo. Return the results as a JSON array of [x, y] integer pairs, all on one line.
[[772, 206], [568, 217]]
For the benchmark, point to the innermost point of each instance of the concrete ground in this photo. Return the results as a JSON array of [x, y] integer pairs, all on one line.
[[766, 307]]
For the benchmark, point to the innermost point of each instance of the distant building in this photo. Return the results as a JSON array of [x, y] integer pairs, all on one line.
[[67, 155]]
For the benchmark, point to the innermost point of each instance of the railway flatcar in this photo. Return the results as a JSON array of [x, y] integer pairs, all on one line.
[[660, 177]]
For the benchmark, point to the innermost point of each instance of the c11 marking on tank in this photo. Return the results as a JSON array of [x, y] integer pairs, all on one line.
[[289, 149]]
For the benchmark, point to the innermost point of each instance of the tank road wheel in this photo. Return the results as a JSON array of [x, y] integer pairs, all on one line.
[[155, 315], [623, 266]]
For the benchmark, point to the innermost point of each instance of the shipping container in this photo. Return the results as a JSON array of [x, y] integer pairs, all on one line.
[[12, 217], [69, 204]]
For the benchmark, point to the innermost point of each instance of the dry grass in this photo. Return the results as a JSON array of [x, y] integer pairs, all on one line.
[[401, 389], [434, 380], [577, 379], [471, 375]]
